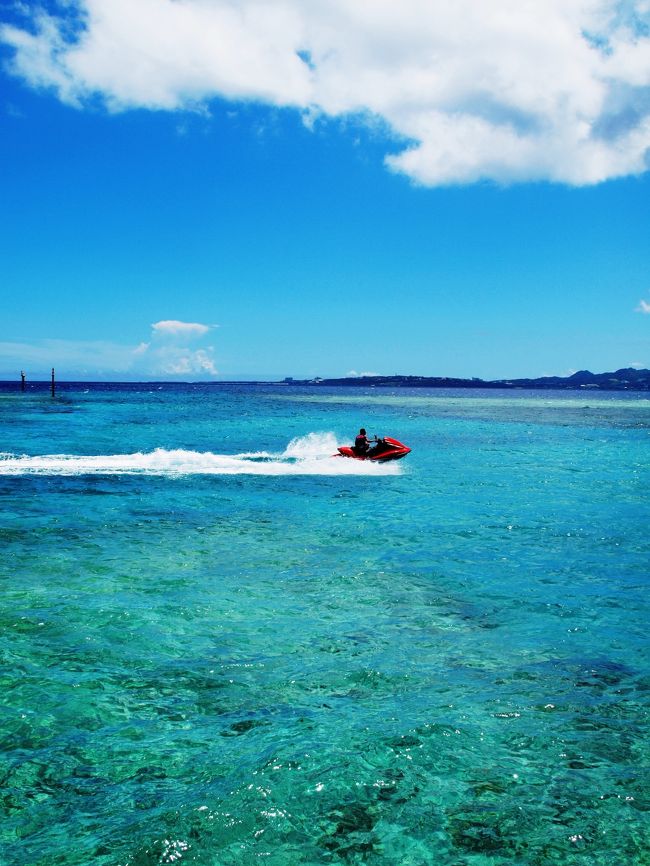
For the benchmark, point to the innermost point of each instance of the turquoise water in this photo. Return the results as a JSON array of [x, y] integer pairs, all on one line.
[[223, 646]]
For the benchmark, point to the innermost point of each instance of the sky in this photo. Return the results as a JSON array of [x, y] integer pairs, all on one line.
[[237, 189]]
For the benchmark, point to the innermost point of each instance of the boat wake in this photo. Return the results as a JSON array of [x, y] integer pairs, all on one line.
[[305, 455]]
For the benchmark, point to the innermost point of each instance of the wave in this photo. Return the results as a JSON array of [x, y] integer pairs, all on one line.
[[304, 455]]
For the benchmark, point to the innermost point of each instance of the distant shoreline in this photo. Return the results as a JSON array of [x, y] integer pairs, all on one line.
[[626, 379]]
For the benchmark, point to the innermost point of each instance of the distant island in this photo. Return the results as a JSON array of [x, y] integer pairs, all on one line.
[[627, 379]]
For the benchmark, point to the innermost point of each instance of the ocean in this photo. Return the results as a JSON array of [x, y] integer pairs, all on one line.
[[221, 645]]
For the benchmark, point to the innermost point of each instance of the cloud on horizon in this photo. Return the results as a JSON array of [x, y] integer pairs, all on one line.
[[556, 90], [167, 353], [353, 374], [644, 307]]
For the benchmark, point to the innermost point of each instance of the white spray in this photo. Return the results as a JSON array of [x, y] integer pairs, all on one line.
[[305, 455]]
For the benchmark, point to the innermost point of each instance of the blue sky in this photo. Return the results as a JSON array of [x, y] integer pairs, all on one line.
[[163, 222]]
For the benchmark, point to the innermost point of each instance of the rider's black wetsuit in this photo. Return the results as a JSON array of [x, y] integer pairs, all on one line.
[[361, 445]]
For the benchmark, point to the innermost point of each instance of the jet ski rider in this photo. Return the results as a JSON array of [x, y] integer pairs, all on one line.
[[362, 443]]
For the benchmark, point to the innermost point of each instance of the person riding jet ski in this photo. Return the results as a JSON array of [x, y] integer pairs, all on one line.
[[384, 449], [362, 443]]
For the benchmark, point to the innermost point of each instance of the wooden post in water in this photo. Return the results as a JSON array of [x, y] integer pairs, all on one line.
[[52, 387], [22, 380]]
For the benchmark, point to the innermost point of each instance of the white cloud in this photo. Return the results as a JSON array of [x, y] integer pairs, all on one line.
[[509, 90], [187, 330], [81, 355], [644, 307], [165, 354], [186, 363], [352, 374]]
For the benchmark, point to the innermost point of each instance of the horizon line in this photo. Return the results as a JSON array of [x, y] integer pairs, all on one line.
[[288, 380]]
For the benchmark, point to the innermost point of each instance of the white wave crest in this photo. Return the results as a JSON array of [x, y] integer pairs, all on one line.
[[306, 455], [313, 445]]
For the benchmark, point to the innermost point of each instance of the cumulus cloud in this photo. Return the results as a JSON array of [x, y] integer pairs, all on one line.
[[166, 353], [173, 328], [353, 374], [188, 363], [508, 90], [644, 307]]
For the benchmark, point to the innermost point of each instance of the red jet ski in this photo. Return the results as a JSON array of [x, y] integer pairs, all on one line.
[[386, 449]]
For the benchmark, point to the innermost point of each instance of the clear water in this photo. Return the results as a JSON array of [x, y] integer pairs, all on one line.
[[222, 646]]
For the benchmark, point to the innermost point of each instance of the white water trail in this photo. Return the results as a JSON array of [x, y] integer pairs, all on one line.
[[312, 446], [305, 455]]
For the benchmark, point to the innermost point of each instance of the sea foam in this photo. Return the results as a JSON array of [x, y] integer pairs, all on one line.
[[312, 454]]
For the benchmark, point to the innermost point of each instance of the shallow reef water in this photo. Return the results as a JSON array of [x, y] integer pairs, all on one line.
[[221, 645]]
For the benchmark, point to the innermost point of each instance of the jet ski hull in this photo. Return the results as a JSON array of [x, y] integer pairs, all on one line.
[[386, 449]]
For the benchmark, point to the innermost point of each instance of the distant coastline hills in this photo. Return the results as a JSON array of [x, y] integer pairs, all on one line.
[[626, 379]]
